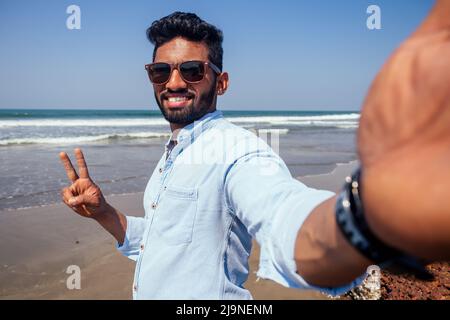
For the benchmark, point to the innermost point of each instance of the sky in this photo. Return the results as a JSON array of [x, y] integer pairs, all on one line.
[[280, 54]]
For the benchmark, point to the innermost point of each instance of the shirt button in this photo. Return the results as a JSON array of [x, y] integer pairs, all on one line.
[[160, 170], [153, 206], [142, 247], [135, 287]]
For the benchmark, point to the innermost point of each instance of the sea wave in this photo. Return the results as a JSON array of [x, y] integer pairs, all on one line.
[[347, 126], [328, 117], [80, 139], [83, 122], [316, 120], [272, 131], [319, 120]]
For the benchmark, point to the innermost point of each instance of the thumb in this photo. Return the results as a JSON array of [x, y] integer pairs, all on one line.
[[84, 199], [76, 201]]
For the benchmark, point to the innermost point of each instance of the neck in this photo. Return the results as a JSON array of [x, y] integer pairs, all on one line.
[[178, 126]]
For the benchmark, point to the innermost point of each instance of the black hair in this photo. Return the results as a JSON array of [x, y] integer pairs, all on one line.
[[190, 27]]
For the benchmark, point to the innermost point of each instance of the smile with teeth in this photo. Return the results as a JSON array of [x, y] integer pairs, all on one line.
[[177, 99]]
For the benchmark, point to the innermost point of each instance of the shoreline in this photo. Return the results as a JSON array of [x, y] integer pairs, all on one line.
[[50, 204], [334, 171], [38, 244], [314, 176]]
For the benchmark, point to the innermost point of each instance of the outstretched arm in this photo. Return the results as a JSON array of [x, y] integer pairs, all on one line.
[[404, 148]]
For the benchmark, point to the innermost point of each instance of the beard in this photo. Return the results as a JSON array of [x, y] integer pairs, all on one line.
[[197, 109]]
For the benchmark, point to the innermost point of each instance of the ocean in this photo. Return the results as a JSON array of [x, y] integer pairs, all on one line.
[[122, 147]]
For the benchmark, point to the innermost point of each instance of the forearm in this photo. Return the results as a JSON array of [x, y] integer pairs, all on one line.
[[322, 254], [114, 222]]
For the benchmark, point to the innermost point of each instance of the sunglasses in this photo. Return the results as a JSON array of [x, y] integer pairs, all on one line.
[[190, 71]]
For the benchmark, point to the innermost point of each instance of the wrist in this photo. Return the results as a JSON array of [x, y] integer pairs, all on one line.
[[107, 213], [113, 221], [351, 217]]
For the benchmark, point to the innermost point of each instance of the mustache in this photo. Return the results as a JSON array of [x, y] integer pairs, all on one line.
[[167, 93]]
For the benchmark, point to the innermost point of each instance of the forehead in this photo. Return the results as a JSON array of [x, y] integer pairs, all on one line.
[[178, 50]]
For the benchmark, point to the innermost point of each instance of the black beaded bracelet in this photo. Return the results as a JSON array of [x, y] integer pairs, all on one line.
[[353, 225]]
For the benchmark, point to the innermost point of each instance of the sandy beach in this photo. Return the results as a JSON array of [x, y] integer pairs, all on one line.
[[37, 245]]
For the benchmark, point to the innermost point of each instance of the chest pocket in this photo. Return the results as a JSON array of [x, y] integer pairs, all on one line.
[[175, 215]]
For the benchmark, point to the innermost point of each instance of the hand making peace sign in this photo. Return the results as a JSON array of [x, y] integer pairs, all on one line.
[[83, 196]]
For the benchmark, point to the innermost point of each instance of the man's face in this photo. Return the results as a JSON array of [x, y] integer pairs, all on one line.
[[181, 102]]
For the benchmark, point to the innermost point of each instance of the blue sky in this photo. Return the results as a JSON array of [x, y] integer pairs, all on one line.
[[280, 54]]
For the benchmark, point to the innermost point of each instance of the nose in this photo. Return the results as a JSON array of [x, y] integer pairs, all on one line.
[[176, 82]]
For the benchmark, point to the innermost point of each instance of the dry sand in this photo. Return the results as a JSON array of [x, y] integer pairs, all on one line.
[[38, 244]]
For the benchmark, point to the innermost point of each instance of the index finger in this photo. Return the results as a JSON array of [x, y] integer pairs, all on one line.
[[71, 173], [82, 167]]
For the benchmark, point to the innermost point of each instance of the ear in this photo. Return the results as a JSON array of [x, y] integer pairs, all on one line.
[[222, 83]]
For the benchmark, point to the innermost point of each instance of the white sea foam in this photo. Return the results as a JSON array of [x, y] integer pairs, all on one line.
[[83, 122], [331, 117], [318, 120], [347, 126], [278, 131], [75, 140]]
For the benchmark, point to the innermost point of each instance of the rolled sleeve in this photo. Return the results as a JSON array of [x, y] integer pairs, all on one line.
[[273, 212], [133, 237]]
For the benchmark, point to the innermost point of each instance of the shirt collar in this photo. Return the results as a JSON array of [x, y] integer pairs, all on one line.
[[194, 129]]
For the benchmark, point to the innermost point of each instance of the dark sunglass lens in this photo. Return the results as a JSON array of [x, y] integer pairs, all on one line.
[[159, 72], [192, 71]]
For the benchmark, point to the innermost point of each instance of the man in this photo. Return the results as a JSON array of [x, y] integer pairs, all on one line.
[[200, 216]]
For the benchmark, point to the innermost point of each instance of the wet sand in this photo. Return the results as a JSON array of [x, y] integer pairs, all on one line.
[[37, 245]]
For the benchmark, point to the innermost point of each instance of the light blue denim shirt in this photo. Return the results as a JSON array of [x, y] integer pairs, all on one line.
[[220, 187]]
